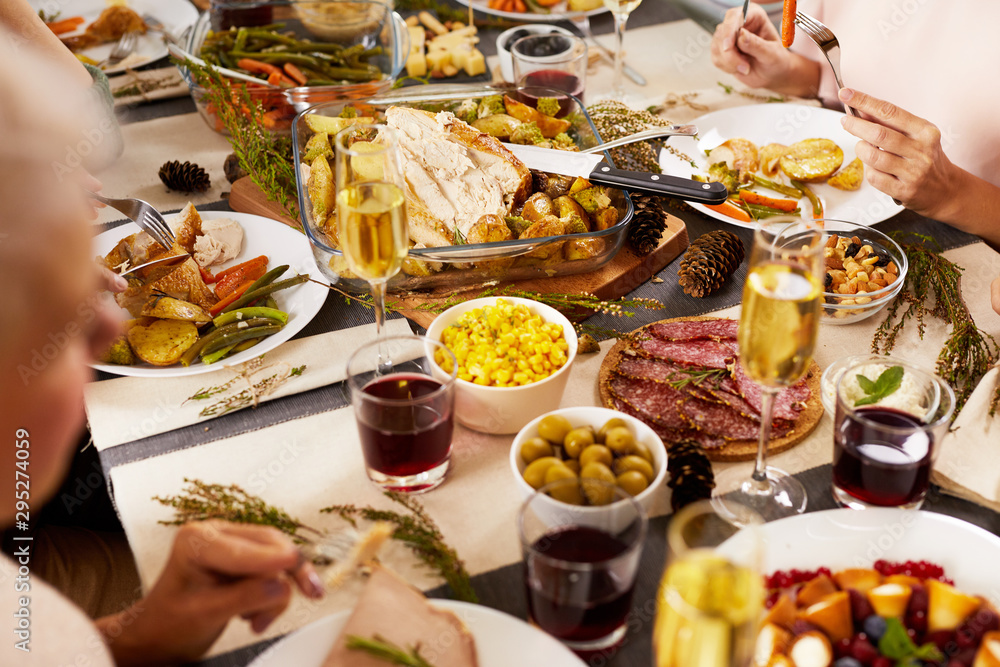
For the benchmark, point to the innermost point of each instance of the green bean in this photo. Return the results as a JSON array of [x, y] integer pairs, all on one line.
[[239, 336], [759, 211], [247, 313], [251, 296], [269, 302], [265, 279], [205, 341], [345, 74], [270, 36], [786, 190], [241, 39], [217, 355], [246, 345], [191, 353], [316, 46], [296, 58], [813, 199]]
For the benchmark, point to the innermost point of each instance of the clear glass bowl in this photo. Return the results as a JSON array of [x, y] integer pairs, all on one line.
[[368, 23], [471, 263], [844, 308]]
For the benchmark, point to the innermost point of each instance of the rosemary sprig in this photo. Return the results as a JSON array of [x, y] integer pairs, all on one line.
[[200, 501], [265, 156], [713, 375], [251, 395], [423, 537], [381, 648], [969, 352], [751, 96]]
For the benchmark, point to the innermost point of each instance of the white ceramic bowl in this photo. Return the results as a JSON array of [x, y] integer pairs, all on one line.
[[507, 409], [504, 42], [595, 417], [831, 376]]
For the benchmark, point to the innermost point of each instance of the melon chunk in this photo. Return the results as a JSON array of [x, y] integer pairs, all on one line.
[[890, 600], [832, 615], [947, 607], [811, 649], [989, 651], [860, 579], [815, 590]]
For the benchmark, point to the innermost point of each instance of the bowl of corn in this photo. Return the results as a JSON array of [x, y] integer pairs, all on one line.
[[513, 357]]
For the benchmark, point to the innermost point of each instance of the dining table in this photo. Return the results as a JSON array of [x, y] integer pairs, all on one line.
[[299, 449]]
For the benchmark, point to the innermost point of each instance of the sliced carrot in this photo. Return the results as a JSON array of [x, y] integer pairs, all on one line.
[[256, 66], [206, 275], [732, 210], [520, 7], [295, 74], [788, 23], [65, 25], [262, 259], [237, 293], [751, 197]]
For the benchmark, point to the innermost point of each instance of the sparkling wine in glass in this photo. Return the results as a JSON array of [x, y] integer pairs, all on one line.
[[621, 10], [371, 207], [782, 298]]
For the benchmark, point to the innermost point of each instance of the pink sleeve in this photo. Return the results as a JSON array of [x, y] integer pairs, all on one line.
[[806, 47]]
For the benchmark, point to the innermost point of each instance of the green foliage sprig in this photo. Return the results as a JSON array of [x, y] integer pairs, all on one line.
[[381, 648], [416, 530]]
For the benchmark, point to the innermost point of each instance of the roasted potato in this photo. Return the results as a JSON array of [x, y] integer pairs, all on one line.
[[318, 144], [489, 229], [550, 225], [321, 193], [163, 342], [738, 154], [118, 353], [811, 160], [769, 157], [583, 248], [332, 124], [606, 218], [169, 308], [850, 177], [499, 125], [537, 207], [553, 185], [549, 126], [593, 199], [567, 207]]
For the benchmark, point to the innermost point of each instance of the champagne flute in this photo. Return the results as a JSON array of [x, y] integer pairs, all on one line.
[[711, 594], [621, 10], [371, 207], [782, 297]]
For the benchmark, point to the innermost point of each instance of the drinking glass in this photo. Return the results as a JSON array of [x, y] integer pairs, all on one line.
[[404, 410], [550, 61], [621, 10], [883, 451], [371, 207], [711, 594], [782, 297], [580, 563]]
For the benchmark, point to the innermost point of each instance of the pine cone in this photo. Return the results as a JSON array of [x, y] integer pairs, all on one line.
[[232, 169], [647, 224], [186, 177], [710, 259], [691, 477]]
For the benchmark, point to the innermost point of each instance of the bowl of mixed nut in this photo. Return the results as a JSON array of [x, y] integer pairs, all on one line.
[[865, 270]]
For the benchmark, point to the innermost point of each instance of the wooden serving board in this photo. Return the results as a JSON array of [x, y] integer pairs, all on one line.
[[625, 272]]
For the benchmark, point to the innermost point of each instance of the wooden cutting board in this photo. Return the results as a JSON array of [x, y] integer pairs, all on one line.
[[625, 272]]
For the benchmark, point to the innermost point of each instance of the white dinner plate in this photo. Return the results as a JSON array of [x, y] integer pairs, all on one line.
[[176, 15], [501, 640], [845, 538], [261, 236], [557, 13], [784, 124]]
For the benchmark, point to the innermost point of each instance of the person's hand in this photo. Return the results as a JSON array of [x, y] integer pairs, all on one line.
[[89, 182], [995, 295], [111, 281], [217, 570], [902, 154]]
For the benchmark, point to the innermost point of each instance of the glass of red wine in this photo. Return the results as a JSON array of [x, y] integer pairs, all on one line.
[[890, 418], [404, 411], [548, 62], [580, 563]]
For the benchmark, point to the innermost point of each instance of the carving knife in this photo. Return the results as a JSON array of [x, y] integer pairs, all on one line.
[[594, 169]]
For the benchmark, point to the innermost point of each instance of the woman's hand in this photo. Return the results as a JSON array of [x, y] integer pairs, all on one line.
[[755, 56], [217, 570]]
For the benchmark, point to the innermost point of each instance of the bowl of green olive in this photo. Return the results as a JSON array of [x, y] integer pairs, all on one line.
[[589, 443]]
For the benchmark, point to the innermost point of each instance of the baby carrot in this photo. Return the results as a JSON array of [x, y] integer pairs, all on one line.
[[730, 209], [752, 197], [788, 23]]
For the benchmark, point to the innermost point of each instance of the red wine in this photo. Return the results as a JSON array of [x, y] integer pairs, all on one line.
[[551, 78], [229, 13], [882, 466], [404, 440], [574, 605]]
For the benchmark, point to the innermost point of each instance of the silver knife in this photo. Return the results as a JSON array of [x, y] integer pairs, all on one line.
[[594, 169]]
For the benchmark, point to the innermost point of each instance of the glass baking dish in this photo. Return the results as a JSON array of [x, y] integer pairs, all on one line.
[[468, 264], [348, 23]]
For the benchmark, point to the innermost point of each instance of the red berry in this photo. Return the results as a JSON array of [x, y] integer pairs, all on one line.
[[917, 621], [966, 637], [800, 627], [918, 599], [882, 661], [862, 650], [843, 647], [861, 608], [944, 640], [986, 620]]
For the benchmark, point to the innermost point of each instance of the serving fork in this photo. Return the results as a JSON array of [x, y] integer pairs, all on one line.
[[123, 48], [827, 43], [142, 214], [654, 133], [156, 25]]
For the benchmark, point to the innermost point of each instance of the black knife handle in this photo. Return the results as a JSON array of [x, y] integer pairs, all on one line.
[[659, 184]]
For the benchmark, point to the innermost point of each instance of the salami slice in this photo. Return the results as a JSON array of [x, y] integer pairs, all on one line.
[[705, 354], [695, 330], [669, 435], [788, 402], [723, 421], [656, 402]]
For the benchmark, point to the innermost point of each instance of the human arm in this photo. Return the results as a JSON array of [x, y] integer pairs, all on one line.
[[995, 295], [23, 21], [216, 570], [904, 158], [755, 56]]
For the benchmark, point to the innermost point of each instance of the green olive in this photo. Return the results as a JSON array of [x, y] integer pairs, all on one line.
[[567, 490], [614, 422], [557, 472], [636, 463], [577, 440], [535, 473], [641, 449], [573, 465], [620, 441], [596, 454], [598, 494], [535, 448], [632, 482], [554, 428]]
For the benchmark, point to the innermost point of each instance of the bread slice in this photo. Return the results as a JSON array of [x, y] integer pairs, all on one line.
[[395, 611]]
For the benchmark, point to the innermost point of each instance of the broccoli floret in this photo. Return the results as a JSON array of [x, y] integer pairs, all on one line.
[[120, 353], [574, 224], [548, 106], [468, 111], [527, 134], [721, 173], [517, 224], [349, 112], [491, 104], [563, 141]]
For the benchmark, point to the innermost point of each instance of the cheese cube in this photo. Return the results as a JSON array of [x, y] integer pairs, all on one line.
[[438, 59], [416, 63], [475, 64]]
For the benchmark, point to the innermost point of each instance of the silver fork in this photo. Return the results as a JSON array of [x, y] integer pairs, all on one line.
[[668, 131], [123, 48], [142, 214], [827, 43], [156, 25]]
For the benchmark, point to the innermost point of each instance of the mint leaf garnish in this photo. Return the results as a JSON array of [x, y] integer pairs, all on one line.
[[867, 385], [895, 644], [886, 384]]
